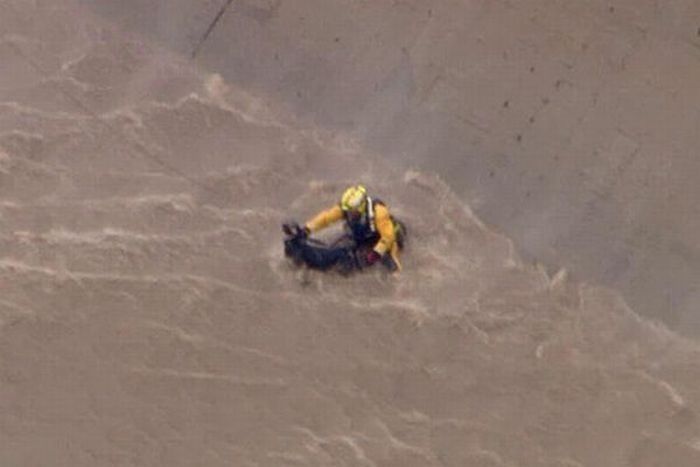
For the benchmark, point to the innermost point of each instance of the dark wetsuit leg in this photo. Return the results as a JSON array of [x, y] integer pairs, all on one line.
[[389, 263]]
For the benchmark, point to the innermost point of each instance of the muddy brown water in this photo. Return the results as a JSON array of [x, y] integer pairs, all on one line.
[[147, 316]]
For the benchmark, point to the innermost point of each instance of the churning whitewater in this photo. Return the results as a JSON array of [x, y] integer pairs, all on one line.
[[148, 315]]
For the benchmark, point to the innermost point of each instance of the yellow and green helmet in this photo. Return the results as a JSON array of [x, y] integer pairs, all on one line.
[[354, 199]]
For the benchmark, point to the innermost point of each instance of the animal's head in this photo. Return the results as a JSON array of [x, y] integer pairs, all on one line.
[[293, 241]]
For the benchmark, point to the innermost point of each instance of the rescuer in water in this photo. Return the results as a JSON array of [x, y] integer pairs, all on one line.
[[368, 224]]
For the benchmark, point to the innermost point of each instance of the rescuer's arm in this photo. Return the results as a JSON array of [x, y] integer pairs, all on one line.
[[385, 227], [324, 219]]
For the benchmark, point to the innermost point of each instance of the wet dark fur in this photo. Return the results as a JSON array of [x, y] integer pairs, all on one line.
[[316, 254]]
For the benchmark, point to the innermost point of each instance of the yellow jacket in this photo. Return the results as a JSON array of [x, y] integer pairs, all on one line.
[[382, 221]]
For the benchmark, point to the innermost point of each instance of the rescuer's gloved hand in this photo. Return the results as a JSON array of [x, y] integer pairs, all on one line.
[[372, 257]]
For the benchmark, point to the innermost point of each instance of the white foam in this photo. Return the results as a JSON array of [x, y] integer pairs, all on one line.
[[666, 388], [70, 63], [223, 96], [61, 80], [44, 114], [204, 375], [401, 445], [15, 266], [21, 134], [17, 308], [318, 442]]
